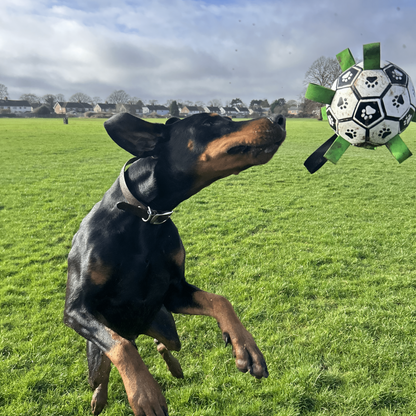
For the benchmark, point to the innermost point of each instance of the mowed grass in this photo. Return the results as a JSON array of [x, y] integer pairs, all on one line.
[[320, 268]]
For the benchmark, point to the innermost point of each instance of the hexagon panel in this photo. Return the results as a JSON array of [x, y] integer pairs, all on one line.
[[368, 113], [352, 132], [384, 132], [371, 83], [343, 104], [396, 101]]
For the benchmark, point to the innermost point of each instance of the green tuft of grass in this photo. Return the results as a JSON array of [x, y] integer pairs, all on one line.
[[320, 268]]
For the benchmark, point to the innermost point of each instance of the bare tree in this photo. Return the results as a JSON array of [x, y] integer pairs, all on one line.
[[215, 103], [80, 97], [96, 100], [60, 98], [324, 71], [237, 102], [134, 100], [30, 98], [118, 97], [259, 103], [3, 92], [49, 100], [279, 106]]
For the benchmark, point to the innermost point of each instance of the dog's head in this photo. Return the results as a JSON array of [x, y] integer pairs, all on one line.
[[201, 148]]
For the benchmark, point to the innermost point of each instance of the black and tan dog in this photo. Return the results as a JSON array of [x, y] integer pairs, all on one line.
[[126, 265]]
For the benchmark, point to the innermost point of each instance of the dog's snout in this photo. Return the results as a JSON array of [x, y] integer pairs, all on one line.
[[279, 120]]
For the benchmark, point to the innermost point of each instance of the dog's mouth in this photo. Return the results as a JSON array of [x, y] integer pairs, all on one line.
[[272, 137]]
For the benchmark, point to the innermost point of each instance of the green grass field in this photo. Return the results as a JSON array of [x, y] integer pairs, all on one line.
[[320, 268]]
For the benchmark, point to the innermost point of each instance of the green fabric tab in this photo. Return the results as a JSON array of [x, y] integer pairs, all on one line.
[[398, 149], [345, 59], [371, 56], [324, 114], [337, 149], [319, 94]]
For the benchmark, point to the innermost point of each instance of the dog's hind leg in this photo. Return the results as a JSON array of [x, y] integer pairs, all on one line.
[[163, 329], [172, 363], [99, 366]]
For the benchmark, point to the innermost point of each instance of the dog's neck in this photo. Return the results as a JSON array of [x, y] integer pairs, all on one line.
[[151, 185]]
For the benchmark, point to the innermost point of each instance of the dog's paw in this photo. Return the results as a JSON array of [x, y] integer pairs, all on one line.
[[248, 357], [148, 399], [99, 400]]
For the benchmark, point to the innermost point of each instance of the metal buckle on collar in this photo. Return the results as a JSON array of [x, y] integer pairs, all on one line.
[[155, 218]]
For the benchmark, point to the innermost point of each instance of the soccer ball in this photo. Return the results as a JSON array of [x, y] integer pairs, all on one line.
[[371, 107]]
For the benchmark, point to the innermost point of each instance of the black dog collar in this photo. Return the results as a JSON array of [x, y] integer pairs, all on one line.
[[134, 206]]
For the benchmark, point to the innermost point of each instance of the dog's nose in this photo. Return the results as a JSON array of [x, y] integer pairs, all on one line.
[[278, 119]]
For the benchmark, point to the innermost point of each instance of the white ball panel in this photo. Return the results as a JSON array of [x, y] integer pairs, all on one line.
[[372, 83], [352, 132], [396, 101], [344, 103], [384, 132]]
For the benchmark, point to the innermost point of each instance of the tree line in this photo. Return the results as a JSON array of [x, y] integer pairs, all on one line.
[[323, 71]]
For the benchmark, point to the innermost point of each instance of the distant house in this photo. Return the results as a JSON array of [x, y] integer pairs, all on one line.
[[34, 106], [160, 110], [243, 112], [229, 111], [68, 107], [189, 110], [294, 110], [214, 110], [15, 106], [134, 109], [262, 111], [105, 108]]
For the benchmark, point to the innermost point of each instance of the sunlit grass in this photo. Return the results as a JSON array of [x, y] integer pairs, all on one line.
[[320, 268]]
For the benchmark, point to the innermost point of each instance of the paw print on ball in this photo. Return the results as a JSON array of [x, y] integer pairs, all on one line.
[[384, 132], [342, 103], [397, 75], [367, 113], [352, 134], [371, 82], [347, 77], [398, 100]]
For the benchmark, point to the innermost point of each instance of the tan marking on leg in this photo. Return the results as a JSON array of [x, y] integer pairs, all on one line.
[[172, 363], [191, 145], [99, 382], [247, 354], [144, 394]]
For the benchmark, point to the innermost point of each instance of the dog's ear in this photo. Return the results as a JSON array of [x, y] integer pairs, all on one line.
[[172, 120], [138, 137]]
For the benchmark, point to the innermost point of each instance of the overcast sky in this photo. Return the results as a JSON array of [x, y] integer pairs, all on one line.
[[195, 50]]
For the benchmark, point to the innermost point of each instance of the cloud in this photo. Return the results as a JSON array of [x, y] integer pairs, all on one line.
[[190, 49]]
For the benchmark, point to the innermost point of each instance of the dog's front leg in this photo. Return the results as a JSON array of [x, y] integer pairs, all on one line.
[[247, 354], [144, 394]]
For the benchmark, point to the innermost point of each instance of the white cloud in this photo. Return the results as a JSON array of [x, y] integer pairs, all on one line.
[[190, 49]]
